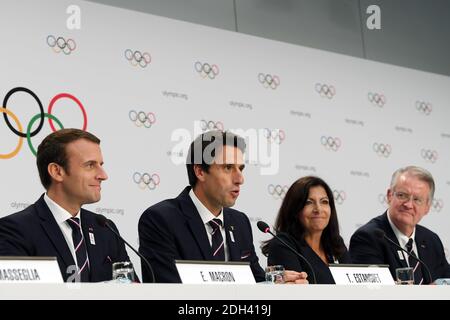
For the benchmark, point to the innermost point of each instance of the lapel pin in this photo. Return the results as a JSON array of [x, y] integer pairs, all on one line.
[[91, 238], [231, 235]]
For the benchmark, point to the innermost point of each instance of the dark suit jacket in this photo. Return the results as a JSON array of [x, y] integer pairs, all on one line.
[[173, 230], [280, 254], [367, 248], [35, 232]]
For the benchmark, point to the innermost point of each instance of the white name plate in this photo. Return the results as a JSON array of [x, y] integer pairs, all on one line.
[[214, 272], [29, 270], [361, 274]]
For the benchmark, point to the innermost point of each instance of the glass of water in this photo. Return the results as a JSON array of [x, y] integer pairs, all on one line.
[[274, 274], [404, 275], [123, 272]]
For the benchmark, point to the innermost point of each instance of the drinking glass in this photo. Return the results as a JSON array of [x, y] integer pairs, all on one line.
[[404, 275], [123, 272], [274, 274]]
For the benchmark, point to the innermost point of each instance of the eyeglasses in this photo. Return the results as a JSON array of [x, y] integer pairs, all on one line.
[[406, 197]]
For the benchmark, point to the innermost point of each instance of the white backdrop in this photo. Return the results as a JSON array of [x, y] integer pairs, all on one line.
[[369, 119]]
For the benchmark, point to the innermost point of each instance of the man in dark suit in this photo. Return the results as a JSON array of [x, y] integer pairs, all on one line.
[[70, 168], [409, 196], [199, 224]]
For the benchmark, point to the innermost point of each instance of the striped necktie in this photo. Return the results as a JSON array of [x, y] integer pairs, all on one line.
[[217, 247], [414, 263], [80, 249]]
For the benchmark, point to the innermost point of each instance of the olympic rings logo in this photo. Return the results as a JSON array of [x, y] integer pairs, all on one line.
[[437, 205], [325, 90], [206, 70], [339, 196], [138, 58], [429, 155], [61, 45], [146, 180], [275, 135], [377, 99], [268, 80], [28, 134], [383, 150], [331, 143], [277, 191], [142, 119], [211, 125], [424, 107], [382, 198]]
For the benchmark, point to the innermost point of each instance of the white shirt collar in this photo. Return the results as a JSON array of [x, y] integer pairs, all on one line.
[[402, 238], [205, 214], [61, 215]]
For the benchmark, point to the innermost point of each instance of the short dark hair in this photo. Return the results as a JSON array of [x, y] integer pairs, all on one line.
[[53, 149], [288, 220], [203, 150]]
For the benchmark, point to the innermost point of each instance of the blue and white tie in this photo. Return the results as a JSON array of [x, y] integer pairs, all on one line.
[[217, 247], [414, 263], [80, 249]]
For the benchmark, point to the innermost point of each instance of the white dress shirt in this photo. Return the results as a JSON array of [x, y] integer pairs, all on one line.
[[61, 215], [403, 240]]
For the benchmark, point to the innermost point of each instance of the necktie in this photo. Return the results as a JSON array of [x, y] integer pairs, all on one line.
[[80, 249], [217, 240], [414, 263]]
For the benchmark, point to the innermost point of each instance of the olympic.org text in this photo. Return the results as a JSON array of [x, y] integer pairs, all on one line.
[[174, 95], [19, 205], [110, 211], [259, 151]]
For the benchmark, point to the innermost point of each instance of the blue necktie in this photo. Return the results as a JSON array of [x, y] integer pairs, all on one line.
[[414, 263], [80, 249], [217, 247]]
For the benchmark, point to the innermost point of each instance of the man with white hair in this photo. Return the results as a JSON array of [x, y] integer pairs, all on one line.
[[409, 197]]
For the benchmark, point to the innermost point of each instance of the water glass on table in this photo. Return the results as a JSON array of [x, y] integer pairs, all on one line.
[[123, 272], [275, 274], [404, 275]]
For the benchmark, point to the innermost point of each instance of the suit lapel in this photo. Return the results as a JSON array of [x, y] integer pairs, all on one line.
[[53, 231], [230, 229], [195, 223]]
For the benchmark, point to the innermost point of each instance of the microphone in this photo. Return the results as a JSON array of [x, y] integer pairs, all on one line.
[[264, 227], [103, 221], [380, 234]]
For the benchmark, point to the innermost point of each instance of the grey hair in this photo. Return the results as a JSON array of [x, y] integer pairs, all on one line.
[[419, 173]]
